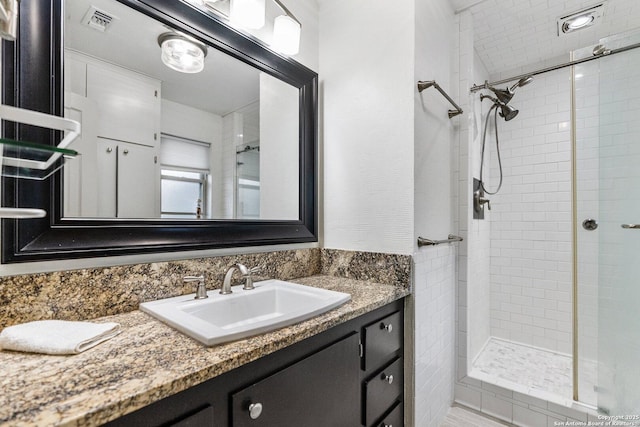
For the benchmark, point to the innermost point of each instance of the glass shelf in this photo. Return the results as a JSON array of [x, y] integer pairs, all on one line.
[[28, 160]]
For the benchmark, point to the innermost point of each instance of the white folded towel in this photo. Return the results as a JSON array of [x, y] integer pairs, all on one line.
[[56, 336]]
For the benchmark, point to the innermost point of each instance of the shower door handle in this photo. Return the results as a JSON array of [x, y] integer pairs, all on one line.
[[632, 226]]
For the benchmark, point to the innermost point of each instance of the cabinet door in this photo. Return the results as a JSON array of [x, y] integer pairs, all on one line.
[[129, 105], [320, 390], [107, 156], [137, 181], [80, 174]]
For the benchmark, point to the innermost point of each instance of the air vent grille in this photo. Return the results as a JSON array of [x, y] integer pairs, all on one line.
[[98, 19]]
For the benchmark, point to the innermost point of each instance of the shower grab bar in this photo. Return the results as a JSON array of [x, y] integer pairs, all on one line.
[[422, 85], [632, 226], [428, 242]]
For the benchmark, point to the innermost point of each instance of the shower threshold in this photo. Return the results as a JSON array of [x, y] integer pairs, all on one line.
[[531, 370]]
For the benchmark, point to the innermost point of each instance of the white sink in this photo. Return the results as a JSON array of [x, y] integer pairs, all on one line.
[[220, 318]]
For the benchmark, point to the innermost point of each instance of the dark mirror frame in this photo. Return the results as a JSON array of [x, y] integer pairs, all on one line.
[[32, 78]]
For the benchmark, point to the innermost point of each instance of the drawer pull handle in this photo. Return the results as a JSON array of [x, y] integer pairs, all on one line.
[[387, 425], [255, 410], [387, 378], [388, 328]]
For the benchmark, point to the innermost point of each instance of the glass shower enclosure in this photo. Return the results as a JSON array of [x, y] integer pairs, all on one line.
[[607, 168]]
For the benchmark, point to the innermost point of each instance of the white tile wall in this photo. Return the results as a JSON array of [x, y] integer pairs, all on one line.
[[531, 217], [473, 262], [530, 244], [434, 306], [514, 407]]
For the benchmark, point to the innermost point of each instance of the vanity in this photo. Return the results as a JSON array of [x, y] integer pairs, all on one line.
[[342, 368]]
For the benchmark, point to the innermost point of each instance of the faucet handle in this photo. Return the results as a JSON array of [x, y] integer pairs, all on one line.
[[257, 269], [201, 289], [248, 283]]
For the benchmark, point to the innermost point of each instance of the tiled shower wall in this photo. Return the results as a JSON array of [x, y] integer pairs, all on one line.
[[518, 408], [433, 299], [473, 297], [531, 288]]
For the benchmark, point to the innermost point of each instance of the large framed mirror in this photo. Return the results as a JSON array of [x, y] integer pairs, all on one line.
[[169, 160]]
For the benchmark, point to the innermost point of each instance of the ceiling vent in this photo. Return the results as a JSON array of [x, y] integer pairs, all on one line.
[[582, 19], [98, 19]]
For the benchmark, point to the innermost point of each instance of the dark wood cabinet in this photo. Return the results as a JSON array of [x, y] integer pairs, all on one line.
[[395, 418], [203, 417], [319, 391], [382, 388], [340, 377]]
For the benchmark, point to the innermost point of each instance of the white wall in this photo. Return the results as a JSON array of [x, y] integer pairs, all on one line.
[[279, 149], [531, 218], [367, 90], [478, 270], [473, 296], [434, 267]]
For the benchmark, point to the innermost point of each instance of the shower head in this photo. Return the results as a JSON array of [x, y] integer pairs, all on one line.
[[506, 111], [505, 95]]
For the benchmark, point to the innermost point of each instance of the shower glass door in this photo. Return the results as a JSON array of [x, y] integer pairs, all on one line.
[[618, 234]]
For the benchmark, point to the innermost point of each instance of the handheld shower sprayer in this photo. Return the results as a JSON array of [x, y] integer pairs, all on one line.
[[500, 101]]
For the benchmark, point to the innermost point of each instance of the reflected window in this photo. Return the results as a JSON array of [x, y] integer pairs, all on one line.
[[184, 177], [183, 194]]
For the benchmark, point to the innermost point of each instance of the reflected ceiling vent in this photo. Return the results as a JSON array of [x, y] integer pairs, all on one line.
[[98, 19], [582, 19]]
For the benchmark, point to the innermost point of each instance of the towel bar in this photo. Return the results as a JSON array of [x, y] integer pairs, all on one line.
[[422, 85], [428, 242]]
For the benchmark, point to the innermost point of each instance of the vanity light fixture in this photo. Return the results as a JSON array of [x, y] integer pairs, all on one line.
[[248, 13], [579, 20], [286, 32], [182, 53]]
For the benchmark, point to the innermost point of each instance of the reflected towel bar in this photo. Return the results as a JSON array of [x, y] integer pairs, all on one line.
[[422, 85], [428, 242]]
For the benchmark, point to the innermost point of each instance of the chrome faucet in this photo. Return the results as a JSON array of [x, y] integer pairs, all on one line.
[[246, 274], [201, 290]]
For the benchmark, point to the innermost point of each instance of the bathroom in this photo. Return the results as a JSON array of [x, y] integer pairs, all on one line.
[[391, 166]]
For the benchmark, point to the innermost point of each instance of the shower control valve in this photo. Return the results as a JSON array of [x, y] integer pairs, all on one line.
[[479, 201]]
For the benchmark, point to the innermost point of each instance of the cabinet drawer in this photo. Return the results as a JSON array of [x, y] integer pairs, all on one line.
[[321, 390], [382, 390], [381, 339], [394, 418]]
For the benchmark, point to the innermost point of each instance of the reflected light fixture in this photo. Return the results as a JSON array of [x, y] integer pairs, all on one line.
[[182, 53]]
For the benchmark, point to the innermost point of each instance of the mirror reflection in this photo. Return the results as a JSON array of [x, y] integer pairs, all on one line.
[[171, 128]]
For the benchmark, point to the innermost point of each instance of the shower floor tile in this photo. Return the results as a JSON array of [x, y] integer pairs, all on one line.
[[534, 371]]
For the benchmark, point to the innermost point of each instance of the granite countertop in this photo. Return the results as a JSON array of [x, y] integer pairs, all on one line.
[[149, 361]]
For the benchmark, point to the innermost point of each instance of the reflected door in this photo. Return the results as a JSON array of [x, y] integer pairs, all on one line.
[[248, 182]]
